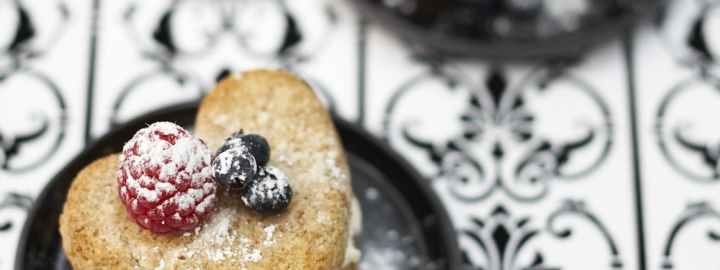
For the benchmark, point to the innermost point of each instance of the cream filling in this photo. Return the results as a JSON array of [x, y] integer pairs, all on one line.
[[352, 253]]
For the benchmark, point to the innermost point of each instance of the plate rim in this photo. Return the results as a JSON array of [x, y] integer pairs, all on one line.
[[445, 223]]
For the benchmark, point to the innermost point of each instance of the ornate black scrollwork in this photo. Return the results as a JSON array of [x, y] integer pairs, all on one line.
[[692, 213], [500, 239], [13, 200], [25, 46], [688, 30], [684, 120], [276, 39], [497, 144], [181, 81], [578, 209], [677, 134], [12, 141], [687, 34]]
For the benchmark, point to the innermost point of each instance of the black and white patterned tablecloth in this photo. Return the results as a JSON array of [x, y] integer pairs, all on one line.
[[610, 161]]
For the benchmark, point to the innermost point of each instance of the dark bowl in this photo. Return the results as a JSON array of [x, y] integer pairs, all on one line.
[[500, 30], [401, 214]]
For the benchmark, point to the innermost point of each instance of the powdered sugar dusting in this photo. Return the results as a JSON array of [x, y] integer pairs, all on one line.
[[217, 241], [161, 266], [185, 200], [253, 256], [269, 233], [331, 163], [232, 143], [323, 218], [286, 159], [263, 117], [224, 162], [205, 204], [164, 187], [220, 120], [168, 171], [148, 194]]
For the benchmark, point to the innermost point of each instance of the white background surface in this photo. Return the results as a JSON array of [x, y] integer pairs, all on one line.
[[430, 109]]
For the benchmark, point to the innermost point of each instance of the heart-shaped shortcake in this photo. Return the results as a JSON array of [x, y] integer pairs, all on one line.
[[313, 232]]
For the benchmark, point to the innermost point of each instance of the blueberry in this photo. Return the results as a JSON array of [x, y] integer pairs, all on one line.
[[255, 144], [234, 168], [268, 192], [258, 147], [231, 141]]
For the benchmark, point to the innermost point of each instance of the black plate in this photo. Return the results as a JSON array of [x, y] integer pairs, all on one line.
[[404, 224]]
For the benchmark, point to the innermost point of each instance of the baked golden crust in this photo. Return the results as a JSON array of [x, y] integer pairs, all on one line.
[[311, 234]]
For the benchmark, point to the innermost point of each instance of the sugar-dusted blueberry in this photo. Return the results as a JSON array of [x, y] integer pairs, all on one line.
[[258, 147], [269, 192], [255, 144], [234, 167], [230, 142]]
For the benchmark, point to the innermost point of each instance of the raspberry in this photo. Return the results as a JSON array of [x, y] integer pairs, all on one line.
[[165, 179]]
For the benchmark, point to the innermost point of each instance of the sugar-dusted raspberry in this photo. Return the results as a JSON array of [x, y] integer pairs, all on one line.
[[165, 179]]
